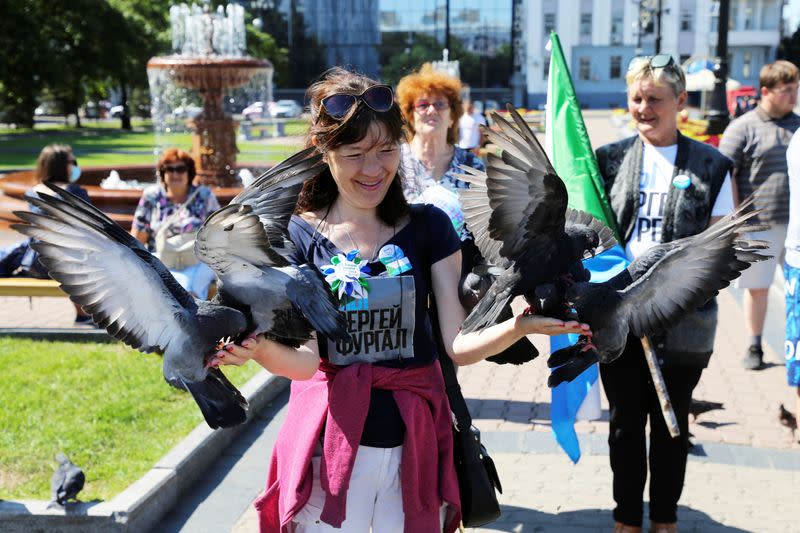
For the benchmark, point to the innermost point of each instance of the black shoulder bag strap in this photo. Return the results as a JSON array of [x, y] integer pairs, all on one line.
[[477, 475]]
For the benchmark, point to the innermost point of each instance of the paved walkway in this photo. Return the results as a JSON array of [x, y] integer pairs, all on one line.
[[743, 474]]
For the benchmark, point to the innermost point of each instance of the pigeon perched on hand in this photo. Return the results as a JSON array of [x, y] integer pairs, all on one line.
[[525, 227], [67, 481], [131, 294]]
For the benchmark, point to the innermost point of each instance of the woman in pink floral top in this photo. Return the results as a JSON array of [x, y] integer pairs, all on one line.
[[176, 170]]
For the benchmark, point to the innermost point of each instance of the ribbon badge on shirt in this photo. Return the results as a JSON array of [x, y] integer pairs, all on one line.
[[347, 276]]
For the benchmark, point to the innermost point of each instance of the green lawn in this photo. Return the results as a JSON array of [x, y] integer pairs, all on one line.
[[106, 406], [101, 145]]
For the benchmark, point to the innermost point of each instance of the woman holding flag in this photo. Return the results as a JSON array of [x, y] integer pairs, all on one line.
[[662, 186]]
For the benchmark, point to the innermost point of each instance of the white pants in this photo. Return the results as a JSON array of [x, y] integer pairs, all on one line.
[[374, 498], [761, 273]]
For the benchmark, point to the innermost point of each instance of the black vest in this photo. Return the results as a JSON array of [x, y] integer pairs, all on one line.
[[686, 212]]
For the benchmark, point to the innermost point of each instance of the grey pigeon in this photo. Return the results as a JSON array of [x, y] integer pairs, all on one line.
[[525, 227], [679, 277], [131, 294], [67, 481], [247, 244]]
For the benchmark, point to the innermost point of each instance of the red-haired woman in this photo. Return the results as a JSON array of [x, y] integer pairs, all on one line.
[[175, 206]]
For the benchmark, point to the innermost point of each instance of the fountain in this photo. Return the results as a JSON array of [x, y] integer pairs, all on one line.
[[209, 58]]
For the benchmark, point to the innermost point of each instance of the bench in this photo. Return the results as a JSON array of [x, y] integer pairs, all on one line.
[[29, 287], [47, 287]]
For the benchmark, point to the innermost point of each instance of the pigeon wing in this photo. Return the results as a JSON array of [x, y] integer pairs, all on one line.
[[273, 195], [234, 235], [526, 198], [687, 276], [127, 290]]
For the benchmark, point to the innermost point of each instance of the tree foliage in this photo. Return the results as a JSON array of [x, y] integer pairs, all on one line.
[[68, 52], [401, 53]]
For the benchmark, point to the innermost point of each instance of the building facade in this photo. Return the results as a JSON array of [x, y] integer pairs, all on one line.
[[600, 37]]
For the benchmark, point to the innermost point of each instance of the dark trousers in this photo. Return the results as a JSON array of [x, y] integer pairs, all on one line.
[[632, 398]]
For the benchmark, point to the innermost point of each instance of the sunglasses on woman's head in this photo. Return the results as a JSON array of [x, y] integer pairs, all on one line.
[[379, 98], [656, 61], [177, 169]]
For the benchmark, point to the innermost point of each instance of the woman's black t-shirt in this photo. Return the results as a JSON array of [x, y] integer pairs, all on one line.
[[381, 325]]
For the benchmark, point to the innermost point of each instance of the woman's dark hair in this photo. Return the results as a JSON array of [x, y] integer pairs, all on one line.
[[51, 166], [176, 154], [328, 133]]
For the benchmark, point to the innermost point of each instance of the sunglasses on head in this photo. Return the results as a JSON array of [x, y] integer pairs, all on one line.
[[654, 62], [379, 98], [177, 169]]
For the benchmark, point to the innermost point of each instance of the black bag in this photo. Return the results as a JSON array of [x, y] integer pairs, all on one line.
[[477, 475], [21, 260]]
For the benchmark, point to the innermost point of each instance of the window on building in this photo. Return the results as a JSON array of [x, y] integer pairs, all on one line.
[[585, 69], [616, 28], [549, 23], [615, 68], [546, 73], [686, 21], [733, 14], [714, 23], [750, 15], [586, 24], [747, 64]]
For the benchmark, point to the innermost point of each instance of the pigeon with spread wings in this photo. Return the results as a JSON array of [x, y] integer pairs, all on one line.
[[665, 283], [132, 295], [525, 228]]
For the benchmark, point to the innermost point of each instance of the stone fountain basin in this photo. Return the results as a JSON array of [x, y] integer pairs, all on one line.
[[210, 73], [119, 204]]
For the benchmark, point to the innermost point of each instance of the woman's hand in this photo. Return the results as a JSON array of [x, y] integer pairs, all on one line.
[[299, 364], [253, 347], [544, 325]]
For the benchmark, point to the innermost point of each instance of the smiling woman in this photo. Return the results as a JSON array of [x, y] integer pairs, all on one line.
[[662, 186], [368, 436]]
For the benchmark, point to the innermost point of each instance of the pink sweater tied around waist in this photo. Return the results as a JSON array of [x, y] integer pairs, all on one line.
[[338, 398]]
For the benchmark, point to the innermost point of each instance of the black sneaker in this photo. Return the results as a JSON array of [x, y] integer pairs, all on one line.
[[754, 358]]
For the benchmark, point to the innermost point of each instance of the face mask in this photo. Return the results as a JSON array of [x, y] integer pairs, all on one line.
[[75, 174]]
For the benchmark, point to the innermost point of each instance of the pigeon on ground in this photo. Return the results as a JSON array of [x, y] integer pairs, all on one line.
[[787, 419], [67, 481], [698, 407], [525, 227], [247, 243], [684, 275]]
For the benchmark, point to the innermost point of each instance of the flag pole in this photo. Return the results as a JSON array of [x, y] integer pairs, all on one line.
[[661, 389]]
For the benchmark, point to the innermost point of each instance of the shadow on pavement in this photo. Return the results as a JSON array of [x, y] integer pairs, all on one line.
[[520, 519], [513, 410]]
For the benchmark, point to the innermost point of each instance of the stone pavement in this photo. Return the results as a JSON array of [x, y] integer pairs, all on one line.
[[742, 476]]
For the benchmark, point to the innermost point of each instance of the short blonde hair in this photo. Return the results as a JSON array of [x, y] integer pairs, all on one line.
[[671, 75], [430, 81], [773, 74]]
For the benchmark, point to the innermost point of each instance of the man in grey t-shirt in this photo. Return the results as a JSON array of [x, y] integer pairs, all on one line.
[[756, 142]]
